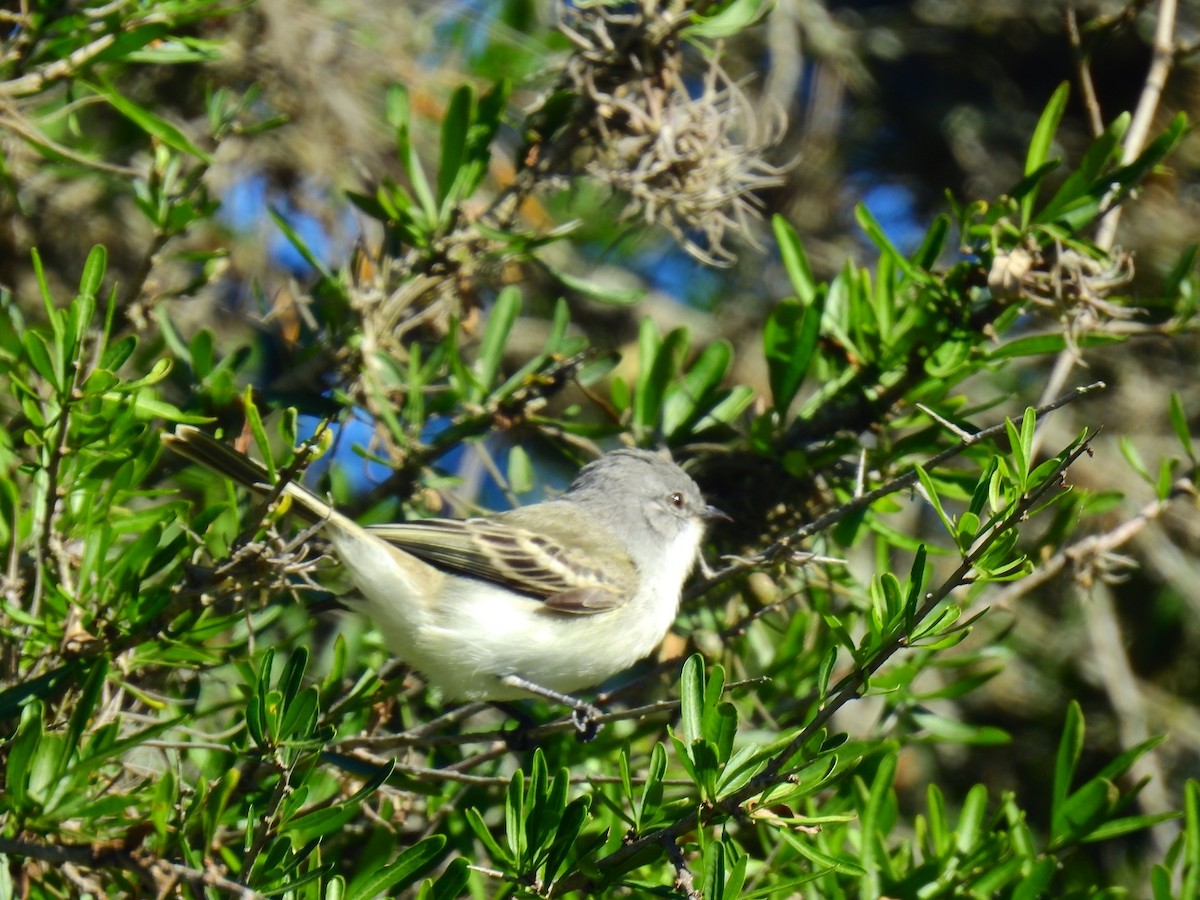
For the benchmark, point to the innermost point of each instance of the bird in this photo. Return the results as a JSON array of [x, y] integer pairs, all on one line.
[[542, 600]]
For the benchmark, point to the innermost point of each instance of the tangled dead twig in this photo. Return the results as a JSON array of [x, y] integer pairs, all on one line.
[[688, 159], [1067, 283]]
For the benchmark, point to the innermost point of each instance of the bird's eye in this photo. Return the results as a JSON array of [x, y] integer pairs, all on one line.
[[676, 499]]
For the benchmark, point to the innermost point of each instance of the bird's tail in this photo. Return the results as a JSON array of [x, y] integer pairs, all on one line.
[[193, 444]]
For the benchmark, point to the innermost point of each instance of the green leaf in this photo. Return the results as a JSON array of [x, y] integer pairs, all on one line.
[[874, 231], [402, 872], [574, 817], [691, 397], [254, 420], [660, 362], [744, 764], [1070, 746], [805, 845], [21, 751], [301, 247], [927, 255], [1115, 828], [790, 338], [728, 410], [147, 406], [85, 705], [1177, 284], [44, 360], [795, 263], [826, 671], [455, 122], [1047, 344], [117, 353], [318, 822], [1039, 145], [150, 123], [92, 277], [941, 728], [1191, 839], [931, 495], [1035, 883], [1179, 423], [916, 580], [1020, 461], [495, 338], [1077, 201], [691, 698], [939, 829], [520, 470], [200, 351], [871, 814], [1129, 176], [514, 817], [399, 114], [484, 121], [292, 677], [452, 883], [652, 789], [991, 882], [714, 871], [1134, 458], [970, 819], [1083, 811], [300, 716], [602, 293], [734, 17], [1028, 427], [498, 853]]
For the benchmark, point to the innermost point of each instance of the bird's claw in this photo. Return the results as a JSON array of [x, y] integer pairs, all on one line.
[[586, 719]]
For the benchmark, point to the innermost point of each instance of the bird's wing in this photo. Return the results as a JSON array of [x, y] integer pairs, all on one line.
[[581, 577]]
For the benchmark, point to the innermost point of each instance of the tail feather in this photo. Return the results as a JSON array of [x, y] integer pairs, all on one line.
[[193, 444]]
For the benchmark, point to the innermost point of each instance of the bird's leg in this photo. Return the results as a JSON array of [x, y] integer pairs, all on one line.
[[584, 716]]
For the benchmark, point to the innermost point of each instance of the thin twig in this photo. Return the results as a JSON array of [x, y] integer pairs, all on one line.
[[1092, 547], [460, 777], [59, 69], [99, 858], [1161, 61], [25, 130], [1111, 661], [1134, 140], [685, 882], [1083, 70]]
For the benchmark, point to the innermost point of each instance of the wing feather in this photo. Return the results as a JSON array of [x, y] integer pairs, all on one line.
[[590, 574]]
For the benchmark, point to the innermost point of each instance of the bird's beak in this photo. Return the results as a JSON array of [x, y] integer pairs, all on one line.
[[711, 514]]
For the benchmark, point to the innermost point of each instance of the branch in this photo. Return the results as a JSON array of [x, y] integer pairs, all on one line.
[[57, 70], [1082, 65], [93, 856], [1161, 61], [1084, 551]]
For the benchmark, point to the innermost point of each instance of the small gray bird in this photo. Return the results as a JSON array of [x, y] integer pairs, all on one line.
[[545, 599]]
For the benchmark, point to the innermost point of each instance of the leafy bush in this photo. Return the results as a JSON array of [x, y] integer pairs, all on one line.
[[178, 715]]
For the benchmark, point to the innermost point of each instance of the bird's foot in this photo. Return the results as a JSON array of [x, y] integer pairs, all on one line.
[[586, 719]]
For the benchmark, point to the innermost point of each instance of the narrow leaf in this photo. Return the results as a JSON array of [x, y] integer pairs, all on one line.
[[1039, 145], [1070, 747], [795, 263], [153, 125]]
